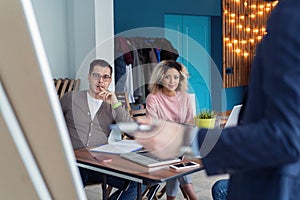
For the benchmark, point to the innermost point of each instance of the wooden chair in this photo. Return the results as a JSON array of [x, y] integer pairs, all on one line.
[[123, 98], [63, 86], [139, 112], [57, 83]]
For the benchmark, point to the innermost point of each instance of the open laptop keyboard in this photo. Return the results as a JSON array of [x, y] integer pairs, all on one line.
[[146, 159]]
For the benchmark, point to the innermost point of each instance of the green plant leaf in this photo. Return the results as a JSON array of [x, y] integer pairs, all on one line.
[[206, 114]]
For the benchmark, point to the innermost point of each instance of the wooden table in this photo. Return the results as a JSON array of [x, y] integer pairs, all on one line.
[[122, 168]]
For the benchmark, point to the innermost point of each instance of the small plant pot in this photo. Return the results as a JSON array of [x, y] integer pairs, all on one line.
[[205, 123]]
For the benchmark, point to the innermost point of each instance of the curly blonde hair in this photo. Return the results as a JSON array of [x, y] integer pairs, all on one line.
[[160, 70]]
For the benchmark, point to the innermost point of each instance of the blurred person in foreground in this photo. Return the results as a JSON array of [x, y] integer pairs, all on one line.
[[261, 154]]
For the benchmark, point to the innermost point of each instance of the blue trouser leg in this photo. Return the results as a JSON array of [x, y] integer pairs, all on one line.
[[219, 190]]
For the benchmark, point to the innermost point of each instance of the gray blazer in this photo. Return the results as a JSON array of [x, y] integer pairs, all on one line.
[[82, 129]]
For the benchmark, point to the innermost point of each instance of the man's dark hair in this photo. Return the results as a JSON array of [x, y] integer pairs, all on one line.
[[101, 63]]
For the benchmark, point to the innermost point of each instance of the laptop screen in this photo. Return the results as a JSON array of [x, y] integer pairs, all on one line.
[[234, 116]]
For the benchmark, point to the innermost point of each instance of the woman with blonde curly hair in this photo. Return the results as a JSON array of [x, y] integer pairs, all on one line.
[[169, 100]]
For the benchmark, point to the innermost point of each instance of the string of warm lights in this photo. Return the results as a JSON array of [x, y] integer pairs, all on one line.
[[243, 27]]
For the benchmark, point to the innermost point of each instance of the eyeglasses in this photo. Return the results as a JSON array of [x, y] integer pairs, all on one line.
[[105, 77]]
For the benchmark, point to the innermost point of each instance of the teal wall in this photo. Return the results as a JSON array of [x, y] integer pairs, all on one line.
[[234, 96], [133, 14]]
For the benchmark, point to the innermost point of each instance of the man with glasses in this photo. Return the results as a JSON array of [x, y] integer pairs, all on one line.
[[88, 115]]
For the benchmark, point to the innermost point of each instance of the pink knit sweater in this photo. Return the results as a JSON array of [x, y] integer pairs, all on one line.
[[176, 108]]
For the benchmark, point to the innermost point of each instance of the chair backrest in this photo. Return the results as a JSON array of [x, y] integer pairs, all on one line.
[[76, 85], [123, 98], [63, 86], [57, 83], [139, 112]]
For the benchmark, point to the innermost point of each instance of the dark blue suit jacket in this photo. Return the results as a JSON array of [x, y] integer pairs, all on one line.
[[262, 155]]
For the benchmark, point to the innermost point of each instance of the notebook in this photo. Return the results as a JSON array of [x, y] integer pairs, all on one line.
[[118, 147], [146, 159], [234, 116]]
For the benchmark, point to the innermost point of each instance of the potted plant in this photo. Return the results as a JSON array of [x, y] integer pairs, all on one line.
[[205, 119]]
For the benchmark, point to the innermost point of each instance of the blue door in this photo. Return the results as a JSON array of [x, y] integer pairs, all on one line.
[[190, 35]]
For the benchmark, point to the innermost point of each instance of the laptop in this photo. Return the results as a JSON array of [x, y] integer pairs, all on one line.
[[148, 160], [234, 116]]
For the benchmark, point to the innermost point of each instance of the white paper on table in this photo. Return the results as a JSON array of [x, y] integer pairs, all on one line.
[[122, 146]]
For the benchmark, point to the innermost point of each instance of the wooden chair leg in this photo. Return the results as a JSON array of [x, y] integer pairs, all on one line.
[[145, 192], [184, 193], [117, 194], [108, 190], [151, 194], [161, 193]]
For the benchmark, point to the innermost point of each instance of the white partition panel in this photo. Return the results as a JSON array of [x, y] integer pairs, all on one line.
[[104, 32], [28, 85]]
